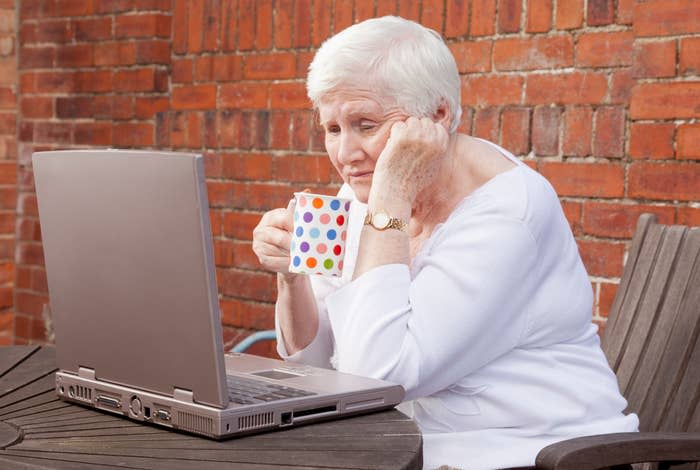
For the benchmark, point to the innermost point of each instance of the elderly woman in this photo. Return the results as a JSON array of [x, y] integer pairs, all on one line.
[[462, 280]]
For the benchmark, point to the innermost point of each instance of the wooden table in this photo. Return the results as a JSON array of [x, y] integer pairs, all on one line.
[[39, 431]]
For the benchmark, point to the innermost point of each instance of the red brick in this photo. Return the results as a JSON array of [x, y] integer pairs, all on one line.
[[28, 229], [263, 29], [269, 66], [8, 196], [654, 59], [280, 129], [194, 130], [7, 249], [457, 18], [321, 26], [472, 56], [153, 52], [180, 27], [288, 96], [142, 79], [226, 194], [244, 95], [609, 132], [269, 196], [585, 179], [611, 220], [572, 212], [147, 107], [143, 25], [546, 121], [665, 100], [239, 225], [246, 166], [93, 133], [688, 216], [133, 134], [211, 25], [578, 129], [600, 12], [664, 18], [664, 181], [7, 273], [247, 314], [122, 107], [30, 303], [301, 127], [566, 88], [410, 9], [569, 14], [483, 18], [689, 63], [486, 123], [602, 259], [283, 22], [539, 16], [113, 6], [194, 97], [491, 90], [228, 123], [8, 71], [303, 168], [74, 107], [515, 129], [30, 253], [92, 29], [538, 52], [651, 140], [80, 55], [37, 57], [621, 83], [431, 15], [65, 8], [509, 12], [604, 49], [52, 132], [625, 11], [8, 98], [606, 297], [7, 222], [688, 142], [36, 107], [115, 53], [363, 10], [246, 29], [8, 123]]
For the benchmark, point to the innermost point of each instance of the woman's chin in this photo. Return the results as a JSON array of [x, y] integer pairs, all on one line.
[[361, 192]]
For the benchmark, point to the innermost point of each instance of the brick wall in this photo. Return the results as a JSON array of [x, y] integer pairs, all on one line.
[[8, 165], [600, 96]]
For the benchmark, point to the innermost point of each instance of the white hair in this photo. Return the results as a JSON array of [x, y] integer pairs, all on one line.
[[394, 57]]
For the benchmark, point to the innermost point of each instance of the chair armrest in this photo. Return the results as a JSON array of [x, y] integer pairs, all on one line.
[[605, 450], [265, 335]]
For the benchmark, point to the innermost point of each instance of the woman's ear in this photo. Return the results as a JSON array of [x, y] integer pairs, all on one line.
[[442, 115]]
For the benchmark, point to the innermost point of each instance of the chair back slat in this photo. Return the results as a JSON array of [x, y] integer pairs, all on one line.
[[653, 335], [622, 315], [644, 222], [651, 326]]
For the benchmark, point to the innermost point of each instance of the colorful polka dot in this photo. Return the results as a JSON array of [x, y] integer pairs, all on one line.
[[328, 264], [300, 231], [304, 247], [296, 261], [343, 235], [317, 202], [340, 264], [331, 234], [308, 217], [314, 232], [311, 262], [340, 220], [302, 201], [335, 204], [321, 248], [337, 249], [347, 206], [325, 218]]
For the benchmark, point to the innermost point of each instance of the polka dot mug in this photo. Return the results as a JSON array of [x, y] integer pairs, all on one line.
[[320, 230]]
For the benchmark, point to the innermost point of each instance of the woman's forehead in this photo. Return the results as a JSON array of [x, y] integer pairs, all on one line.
[[345, 104]]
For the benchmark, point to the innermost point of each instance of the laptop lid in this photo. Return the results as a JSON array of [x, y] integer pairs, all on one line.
[[129, 262]]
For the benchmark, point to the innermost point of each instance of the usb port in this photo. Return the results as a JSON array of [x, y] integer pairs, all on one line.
[[109, 401]]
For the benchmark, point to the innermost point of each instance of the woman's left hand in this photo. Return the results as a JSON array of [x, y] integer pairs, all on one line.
[[411, 158]]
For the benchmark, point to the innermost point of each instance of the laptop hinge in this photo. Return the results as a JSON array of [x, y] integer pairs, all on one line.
[[86, 373], [183, 395]]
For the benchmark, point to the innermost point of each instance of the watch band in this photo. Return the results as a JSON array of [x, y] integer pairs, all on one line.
[[380, 220]]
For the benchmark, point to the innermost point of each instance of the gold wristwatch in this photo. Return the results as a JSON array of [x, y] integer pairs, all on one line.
[[382, 221]]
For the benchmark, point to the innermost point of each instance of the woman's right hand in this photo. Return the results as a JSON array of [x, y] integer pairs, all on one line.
[[272, 237]]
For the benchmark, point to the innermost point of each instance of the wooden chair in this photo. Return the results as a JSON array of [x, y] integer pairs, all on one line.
[[652, 341]]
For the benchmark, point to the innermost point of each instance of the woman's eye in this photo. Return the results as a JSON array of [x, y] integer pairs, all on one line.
[[367, 126], [333, 129]]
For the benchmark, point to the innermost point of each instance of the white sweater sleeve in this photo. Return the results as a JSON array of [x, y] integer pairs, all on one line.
[[463, 308]]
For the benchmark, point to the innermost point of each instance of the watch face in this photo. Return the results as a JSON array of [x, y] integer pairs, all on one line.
[[380, 220]]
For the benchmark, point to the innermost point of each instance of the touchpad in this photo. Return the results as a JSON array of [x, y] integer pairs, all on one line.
[[275, 374]]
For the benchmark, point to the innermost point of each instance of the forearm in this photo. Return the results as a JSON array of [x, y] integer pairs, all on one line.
[[297, 311]]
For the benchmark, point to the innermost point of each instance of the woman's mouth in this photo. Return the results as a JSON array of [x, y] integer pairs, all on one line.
[[360, 174]]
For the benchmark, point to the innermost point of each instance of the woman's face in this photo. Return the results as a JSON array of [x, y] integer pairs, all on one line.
[[356, 127]]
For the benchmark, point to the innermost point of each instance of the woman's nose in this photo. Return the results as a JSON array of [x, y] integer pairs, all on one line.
[[350, 148]]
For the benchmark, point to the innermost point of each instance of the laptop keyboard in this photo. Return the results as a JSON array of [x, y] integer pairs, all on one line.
[[249, 391]]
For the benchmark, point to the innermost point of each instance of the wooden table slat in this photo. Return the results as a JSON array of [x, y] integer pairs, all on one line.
[[39, 364], [13, 356], [29, 390]]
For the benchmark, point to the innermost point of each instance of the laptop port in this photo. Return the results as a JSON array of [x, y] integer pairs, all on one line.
[[147, 412], [163, 415], [108, 401], [286, 419]]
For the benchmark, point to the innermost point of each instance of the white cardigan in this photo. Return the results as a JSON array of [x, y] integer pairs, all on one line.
[[489, 330]]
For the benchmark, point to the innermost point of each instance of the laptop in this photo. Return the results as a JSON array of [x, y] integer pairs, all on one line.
[[130, 268]]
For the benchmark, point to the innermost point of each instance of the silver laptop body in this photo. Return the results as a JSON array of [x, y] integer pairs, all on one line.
[[129, 261]]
